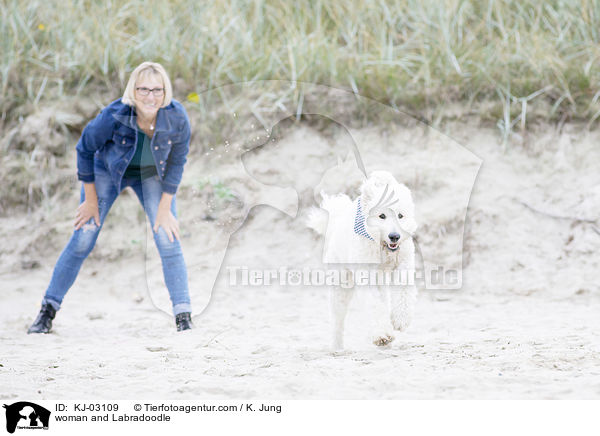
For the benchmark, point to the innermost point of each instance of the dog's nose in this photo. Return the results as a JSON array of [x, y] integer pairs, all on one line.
[[394, 237]]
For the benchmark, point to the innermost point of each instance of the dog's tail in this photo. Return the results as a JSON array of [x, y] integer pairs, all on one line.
[[316, 220], [331, 206]]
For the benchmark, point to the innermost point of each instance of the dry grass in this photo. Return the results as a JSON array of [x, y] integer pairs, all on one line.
[[509, 62]]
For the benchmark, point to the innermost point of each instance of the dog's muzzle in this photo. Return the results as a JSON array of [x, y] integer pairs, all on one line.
[[394, 241]]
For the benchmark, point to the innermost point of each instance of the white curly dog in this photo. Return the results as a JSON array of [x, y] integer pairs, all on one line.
[[374, 232]]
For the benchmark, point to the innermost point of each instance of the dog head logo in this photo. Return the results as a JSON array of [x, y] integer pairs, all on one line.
[[26, 415], [282, 162]]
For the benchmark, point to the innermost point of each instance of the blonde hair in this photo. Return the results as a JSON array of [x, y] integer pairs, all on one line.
[[143, 69]]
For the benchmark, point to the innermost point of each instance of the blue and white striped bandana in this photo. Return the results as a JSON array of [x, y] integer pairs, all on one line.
[[359, 222]]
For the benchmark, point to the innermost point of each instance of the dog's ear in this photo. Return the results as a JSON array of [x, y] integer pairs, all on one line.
[[409, 224], [367, 193]]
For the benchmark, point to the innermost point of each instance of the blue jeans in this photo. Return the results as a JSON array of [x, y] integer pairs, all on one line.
[[149, 192]]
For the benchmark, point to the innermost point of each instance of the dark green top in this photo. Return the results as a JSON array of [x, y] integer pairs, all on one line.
[[142, 164]]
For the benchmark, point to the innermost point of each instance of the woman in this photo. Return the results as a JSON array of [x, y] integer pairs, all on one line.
[[140, 140]]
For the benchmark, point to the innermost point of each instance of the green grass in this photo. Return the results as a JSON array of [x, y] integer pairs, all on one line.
[[416, 55], [221, 191]]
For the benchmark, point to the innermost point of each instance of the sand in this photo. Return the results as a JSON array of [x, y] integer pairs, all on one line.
[[524, 325]]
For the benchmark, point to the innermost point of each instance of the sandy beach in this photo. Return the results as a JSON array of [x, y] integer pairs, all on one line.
[[524, 325]]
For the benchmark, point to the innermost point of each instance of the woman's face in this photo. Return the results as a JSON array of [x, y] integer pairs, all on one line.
[[148, 105]]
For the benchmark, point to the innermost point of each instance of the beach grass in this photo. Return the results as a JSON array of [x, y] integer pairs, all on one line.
[[509, 63], [416, 55]]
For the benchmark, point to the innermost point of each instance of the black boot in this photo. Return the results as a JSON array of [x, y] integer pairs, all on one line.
[[43, 322], [183, 321]]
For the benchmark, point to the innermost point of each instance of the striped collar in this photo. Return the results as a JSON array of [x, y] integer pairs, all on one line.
[[359, 222]]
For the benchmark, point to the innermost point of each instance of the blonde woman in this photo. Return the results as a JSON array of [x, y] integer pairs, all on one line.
[[140, 140]]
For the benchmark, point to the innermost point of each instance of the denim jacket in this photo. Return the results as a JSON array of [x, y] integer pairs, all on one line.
[[111, 139]]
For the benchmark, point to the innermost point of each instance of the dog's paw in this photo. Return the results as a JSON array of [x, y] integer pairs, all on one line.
[[383, 340]]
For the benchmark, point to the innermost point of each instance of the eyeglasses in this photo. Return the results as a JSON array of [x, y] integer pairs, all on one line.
[[158, 92]]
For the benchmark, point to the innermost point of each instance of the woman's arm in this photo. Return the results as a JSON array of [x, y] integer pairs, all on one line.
[[93, 137], [179, 150], [170, 182]]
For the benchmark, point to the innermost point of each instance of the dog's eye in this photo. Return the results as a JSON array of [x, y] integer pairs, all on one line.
[[400, 216], [382, 216]]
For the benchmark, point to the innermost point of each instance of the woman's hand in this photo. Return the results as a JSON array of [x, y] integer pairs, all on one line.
[[85, 211], [89, 208], [165, 219]]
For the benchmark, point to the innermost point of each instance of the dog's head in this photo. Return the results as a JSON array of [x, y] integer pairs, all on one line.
[[389, 210]]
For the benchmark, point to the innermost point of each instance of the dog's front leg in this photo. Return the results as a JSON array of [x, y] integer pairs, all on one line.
[[403, 301], [380, 310]]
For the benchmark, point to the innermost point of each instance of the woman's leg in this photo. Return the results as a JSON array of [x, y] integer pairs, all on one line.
[[149, 193], [82, 241]]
